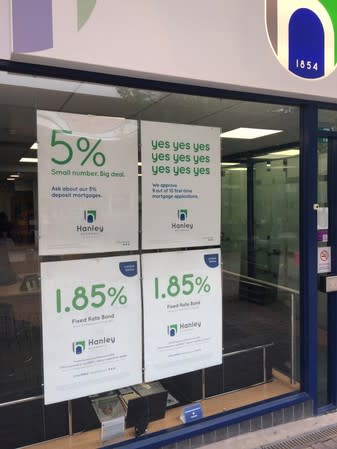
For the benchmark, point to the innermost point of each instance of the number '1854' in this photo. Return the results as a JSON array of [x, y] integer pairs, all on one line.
[[307, 65]]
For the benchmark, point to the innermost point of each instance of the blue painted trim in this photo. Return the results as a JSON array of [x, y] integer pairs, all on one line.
[[308, 250], [326, 409], [332, 297], [183, 432], [151, 84], [139, 83]]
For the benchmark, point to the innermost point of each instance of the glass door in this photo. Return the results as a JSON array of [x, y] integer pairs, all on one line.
[[326, 267]]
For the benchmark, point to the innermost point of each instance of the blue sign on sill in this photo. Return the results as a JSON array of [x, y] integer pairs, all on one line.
[[191, 413]]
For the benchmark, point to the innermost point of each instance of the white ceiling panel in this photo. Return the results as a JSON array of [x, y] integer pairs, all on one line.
[[17, 124], [231, 147], [36, 98], [127, 104], [246, 114], [178, 108]]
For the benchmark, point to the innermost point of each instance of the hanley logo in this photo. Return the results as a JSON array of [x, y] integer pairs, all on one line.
[[182, 214], [90, 216], [172, 330], [79, 347], [303, 35], [181, 225]]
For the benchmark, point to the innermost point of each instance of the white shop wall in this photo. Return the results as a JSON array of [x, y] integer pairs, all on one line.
[[218, 44]]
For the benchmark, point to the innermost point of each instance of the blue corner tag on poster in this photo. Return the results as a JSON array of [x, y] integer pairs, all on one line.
[[212, 260], [191, 413], [129, 269]]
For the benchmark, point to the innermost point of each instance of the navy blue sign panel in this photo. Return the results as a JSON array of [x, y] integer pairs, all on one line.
[[128, 269], [306, 44], [192, 413]]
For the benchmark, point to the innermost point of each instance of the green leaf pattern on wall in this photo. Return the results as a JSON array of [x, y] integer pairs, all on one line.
[[84, 10]]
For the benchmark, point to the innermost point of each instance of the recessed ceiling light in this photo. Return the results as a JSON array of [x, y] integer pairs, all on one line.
[[10, 179], [279, 154], [29, 159], [14, 176], [237, 169], [249, 133], [98, 90], [229, 164], [35, 146]]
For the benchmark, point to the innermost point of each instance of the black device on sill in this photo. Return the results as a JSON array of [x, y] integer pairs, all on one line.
[[145, 409]]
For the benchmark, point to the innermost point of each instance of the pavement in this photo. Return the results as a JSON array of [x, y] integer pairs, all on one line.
[[300, 430]]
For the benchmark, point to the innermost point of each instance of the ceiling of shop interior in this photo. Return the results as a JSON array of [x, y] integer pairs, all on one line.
[[21, 95]]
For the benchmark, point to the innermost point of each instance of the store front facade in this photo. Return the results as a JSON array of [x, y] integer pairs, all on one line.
[[264, 221]]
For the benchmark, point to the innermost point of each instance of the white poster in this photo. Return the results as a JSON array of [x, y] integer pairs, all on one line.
[[322, 218], [88, 183], [89, 307], [323, 259], [182, 312], [180, 185]]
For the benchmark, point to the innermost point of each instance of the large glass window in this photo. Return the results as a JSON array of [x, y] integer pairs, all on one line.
[[261, 276], [259, 244]]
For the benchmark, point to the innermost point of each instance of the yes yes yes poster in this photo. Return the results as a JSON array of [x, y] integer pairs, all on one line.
[[180, 185]]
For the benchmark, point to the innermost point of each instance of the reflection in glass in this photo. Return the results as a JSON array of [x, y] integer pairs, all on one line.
[[259, 242]]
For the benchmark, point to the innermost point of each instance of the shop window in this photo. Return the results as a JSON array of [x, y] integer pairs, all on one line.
[[259, 247]]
